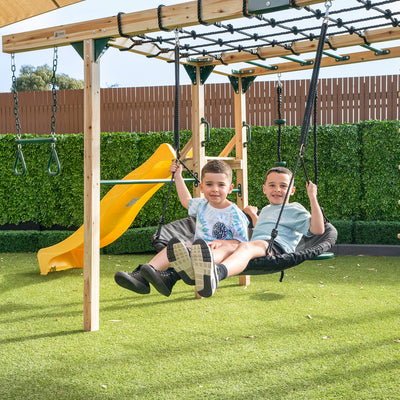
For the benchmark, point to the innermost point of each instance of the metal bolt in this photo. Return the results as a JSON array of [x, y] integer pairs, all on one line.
[[268, 3]]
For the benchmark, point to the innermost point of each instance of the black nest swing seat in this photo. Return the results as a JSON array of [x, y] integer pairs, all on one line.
[[308, 248]]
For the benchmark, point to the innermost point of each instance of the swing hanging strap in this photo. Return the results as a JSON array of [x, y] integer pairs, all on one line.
[[279, 121], [307, 115], [176, 130]]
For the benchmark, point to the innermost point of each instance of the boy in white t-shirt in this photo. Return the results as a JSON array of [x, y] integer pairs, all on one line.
[[295, 222], [219, 223]]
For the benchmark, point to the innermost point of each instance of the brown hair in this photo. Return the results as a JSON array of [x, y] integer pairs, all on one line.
[[217, 167], [278, 170]]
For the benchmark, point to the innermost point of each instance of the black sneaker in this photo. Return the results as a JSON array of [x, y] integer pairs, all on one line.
[[132, 281], [205, 271], [163, 281], [179, 257]]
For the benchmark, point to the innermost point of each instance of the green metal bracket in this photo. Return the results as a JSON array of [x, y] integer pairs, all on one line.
[[100, 46], [378, 52], [336, 57], [238, 190], [205, 71], [246, 82], [269, 68], [78, 46], [301, 62], [263, 6]]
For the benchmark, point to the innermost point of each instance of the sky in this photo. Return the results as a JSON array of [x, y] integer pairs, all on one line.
[[130, 70]]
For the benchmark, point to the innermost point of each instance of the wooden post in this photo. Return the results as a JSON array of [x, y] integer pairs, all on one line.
[[91, 258], [241, 150], [241, 154], [199, 155]]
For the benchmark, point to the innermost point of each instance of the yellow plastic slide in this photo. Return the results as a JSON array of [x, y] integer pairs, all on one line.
[[118, 209]]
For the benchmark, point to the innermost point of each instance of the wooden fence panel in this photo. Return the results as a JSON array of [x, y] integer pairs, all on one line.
[[146, 109]]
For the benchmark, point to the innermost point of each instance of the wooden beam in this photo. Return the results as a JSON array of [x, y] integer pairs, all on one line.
[[13, 11], [91, 256], [354, 58], [307, 46], [179, 15]]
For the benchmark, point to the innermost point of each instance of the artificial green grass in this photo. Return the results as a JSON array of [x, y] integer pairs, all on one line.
[[330, 330]]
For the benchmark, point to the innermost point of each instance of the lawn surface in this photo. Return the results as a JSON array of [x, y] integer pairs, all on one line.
[[330, 330]]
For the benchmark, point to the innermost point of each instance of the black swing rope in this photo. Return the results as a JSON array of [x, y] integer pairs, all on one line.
[[176, 108], [176, 134], [306, 122]]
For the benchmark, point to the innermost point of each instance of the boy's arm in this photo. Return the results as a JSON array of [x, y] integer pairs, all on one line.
[[181, 188], [317, 226], [251, 211]]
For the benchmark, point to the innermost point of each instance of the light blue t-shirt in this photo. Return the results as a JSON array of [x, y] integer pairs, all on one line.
[[218, 224], [294, 223]]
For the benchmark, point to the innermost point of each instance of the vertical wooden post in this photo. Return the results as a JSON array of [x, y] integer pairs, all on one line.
[[241, 154], [241, 151], [199, 155], [91, 258]]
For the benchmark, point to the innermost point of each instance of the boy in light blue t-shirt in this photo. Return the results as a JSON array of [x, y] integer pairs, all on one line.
[[295, 222]]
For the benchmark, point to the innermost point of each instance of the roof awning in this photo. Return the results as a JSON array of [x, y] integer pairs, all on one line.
[[12, 11]]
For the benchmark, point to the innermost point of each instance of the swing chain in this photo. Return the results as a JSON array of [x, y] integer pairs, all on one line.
[[15, 96], [54, 92]]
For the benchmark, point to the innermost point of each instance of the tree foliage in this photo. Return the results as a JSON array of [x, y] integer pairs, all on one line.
[[39, 78]]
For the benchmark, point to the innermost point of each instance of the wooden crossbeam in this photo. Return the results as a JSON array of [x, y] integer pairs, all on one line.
[[301, 47], [273, 52], [14, 11], [307, 46], [179, 15], [354, 58]]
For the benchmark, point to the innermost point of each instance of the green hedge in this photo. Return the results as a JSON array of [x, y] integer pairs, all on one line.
[[138, 240], [358, 172]]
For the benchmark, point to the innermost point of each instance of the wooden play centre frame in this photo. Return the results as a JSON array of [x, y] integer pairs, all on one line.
[[130, 32]]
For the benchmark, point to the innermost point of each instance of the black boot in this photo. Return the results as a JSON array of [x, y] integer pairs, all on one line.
[[133, 281], [163, 281]]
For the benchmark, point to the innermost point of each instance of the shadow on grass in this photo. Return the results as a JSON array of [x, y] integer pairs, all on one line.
[[45, 335], [23, 279], [267, 296]]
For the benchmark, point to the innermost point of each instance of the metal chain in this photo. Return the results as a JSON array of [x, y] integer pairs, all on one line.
[[54, 92], [15, 96]]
